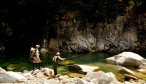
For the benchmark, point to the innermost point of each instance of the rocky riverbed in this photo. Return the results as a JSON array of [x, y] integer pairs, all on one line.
[[89, 74], [46, 76]]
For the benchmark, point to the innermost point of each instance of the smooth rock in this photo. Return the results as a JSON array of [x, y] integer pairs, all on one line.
[[126, 58]]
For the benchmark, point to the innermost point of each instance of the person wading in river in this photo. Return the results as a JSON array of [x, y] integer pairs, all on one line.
[[55, 60], [34, 52]]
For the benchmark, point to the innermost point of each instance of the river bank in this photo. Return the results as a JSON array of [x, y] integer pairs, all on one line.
[[91, 59]]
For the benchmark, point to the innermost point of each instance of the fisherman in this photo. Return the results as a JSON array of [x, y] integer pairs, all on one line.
[[55, 60], [34, 52]]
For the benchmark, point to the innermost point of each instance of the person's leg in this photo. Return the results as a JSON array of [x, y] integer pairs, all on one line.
[[39, 65], [55, 68], [33, 66]]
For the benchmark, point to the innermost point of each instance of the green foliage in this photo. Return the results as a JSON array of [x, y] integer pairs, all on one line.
[[132, 4]]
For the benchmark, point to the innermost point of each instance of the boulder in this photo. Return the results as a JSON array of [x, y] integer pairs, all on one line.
[[142, 66], [142, 70], [128, 77], [40, 75], [101, 77], [48, 72], [124, 70], [81, 81], [5, 78], [10, 77], [63, 77], [28, 75], [83, 68], [17, 76], [126, 58], [51, 81]]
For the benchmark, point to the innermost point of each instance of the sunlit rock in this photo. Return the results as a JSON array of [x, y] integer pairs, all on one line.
[[63, 77], [48, 72], [51, 81], [40, 75], [17, 76], [28, 75], [126, 58], [139, 75], [81, 81], [101, 77], [10, 77], [83, 68], [5, 78], [142, 66], [142, 70]]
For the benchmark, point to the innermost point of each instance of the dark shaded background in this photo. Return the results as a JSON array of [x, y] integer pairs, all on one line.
[[24, 23]]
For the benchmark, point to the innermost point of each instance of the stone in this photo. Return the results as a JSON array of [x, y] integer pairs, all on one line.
[[129, 77], [11, 77], [5, 78], [63, 77], [51, 81], [126, 58], [48, 72], [81, 81], [124, 70], [65, 81], [40, 75], [83, 68], [101, 77], [142, 66], [2, 70], [142, 70], [17, 76]]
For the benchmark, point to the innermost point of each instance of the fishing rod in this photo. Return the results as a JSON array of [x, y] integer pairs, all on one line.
[[70, 57]]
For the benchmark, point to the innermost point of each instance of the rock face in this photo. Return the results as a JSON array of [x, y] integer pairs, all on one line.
[[126, 58], [120, 35]]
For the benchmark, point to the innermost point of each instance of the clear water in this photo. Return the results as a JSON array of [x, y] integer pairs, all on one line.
[[95, 59]]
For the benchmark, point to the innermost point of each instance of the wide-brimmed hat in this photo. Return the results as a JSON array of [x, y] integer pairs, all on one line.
[[37, 46], [32, 49], [58, 53]]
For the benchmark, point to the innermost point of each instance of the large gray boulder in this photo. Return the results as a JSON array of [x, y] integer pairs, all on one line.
[[126, 58]]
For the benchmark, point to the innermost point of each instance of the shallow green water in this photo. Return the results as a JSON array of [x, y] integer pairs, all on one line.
[[95, 59]]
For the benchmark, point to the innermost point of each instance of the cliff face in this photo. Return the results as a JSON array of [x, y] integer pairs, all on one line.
[[124, 34]]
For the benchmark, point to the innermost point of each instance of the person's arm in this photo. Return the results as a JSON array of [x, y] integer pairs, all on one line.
[[61, 58]]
